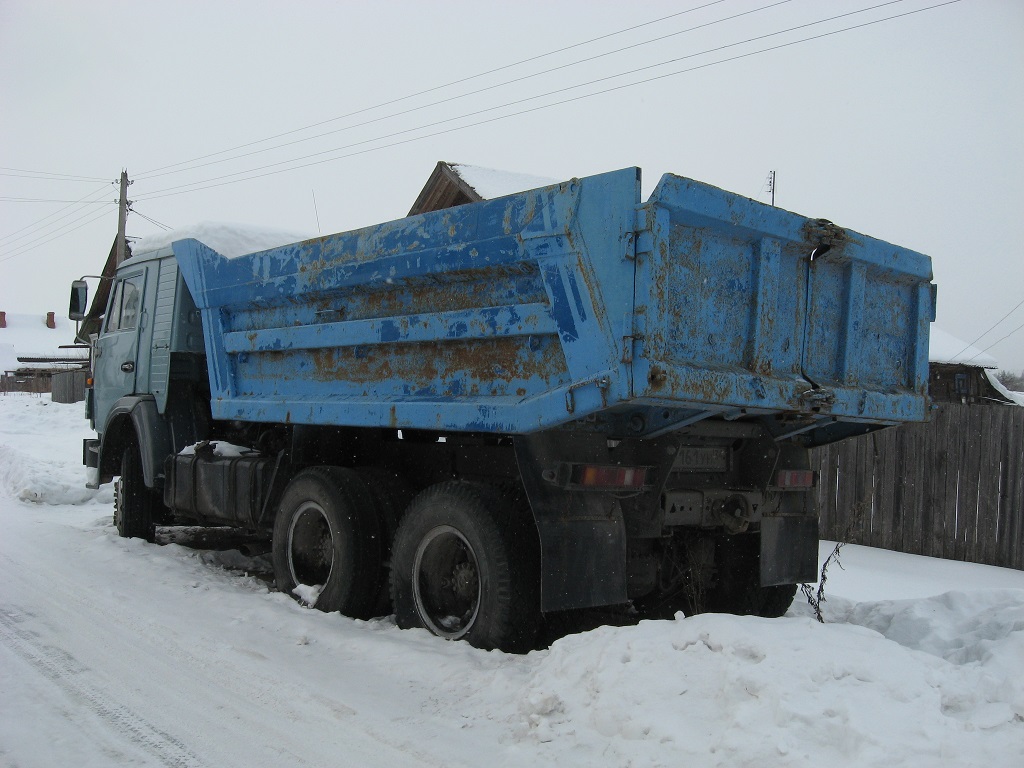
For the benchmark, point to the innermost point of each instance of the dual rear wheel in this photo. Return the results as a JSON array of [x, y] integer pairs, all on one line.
[[464, 563]]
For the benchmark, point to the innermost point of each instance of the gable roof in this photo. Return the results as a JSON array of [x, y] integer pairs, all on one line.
[[452, 184]]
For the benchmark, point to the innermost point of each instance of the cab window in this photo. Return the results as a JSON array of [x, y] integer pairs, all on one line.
[[124, 305]]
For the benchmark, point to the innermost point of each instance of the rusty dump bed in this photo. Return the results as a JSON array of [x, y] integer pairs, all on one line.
[[573, 305]]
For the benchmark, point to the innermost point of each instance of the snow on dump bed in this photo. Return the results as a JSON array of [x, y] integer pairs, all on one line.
[[230, 240], [116, 652], [491, 183]]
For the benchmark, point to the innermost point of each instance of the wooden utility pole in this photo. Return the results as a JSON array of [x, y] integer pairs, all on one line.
[[122, 218]]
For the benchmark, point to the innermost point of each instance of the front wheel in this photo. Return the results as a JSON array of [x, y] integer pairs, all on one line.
[[465, 566], [327, 544], [135, 505]]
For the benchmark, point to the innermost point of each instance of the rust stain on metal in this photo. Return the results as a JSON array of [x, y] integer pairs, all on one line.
[[490, 367], [657, 377]]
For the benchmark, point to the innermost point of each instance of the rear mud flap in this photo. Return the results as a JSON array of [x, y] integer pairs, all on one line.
[[789, 550]]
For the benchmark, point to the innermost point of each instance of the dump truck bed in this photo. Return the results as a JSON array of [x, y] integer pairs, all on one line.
[[574, 304]]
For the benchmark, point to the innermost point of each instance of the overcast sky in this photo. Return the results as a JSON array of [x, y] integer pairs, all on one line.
[[909, 130]]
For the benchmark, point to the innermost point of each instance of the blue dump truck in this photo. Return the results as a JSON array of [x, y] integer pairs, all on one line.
[[560, 399]]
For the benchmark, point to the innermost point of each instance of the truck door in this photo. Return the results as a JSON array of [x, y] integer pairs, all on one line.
[[117, 346]]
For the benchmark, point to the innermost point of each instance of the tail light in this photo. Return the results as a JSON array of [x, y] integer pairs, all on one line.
[[796, 478], [597, 477]]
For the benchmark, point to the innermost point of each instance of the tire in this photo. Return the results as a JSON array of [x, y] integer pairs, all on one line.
[[327, 539], [135, 506], [739, 590], [466, 566], [391, 497]]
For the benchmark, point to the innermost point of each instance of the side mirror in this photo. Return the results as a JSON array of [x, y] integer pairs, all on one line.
[[79, 300]]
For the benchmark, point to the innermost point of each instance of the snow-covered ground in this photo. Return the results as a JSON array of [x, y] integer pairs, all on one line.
[[115, 652]]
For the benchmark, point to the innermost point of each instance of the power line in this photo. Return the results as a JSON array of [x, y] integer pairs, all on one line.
[[39, 223], [991, 328], [151, 221], [466, 94], [986, 349], [31, 247], [45, 200], [988, 330], [206, 183], [25, 173], [435, 88]]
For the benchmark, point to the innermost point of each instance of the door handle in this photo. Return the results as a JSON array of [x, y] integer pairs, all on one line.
[[128, 366]]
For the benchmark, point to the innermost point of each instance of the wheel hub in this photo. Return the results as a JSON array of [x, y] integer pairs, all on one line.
[[446, 583]]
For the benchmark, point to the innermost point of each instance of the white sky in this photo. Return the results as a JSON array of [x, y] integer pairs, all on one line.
[[908, 130]]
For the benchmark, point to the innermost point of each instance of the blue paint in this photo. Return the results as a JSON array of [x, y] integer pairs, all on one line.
[[561, 311], [485, 316], [577, 298]]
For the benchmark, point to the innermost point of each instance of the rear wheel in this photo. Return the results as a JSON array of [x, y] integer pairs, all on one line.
[[327, 546], [465, 566], [135, 505]]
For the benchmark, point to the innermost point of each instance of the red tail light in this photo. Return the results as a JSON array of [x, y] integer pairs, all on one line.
[[597, 476], [796, 478]]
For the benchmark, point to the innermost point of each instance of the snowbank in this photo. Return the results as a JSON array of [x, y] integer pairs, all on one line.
[[48, 475]]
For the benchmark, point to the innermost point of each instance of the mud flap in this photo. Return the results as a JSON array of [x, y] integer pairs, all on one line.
[[582, 535], [583, 563], [789, 550]]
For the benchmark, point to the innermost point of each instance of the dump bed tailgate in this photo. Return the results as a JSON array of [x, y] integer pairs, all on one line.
[[743, 306]]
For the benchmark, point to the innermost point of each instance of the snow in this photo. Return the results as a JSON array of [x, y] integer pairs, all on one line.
[[115, 652], [491, 183], [1017, 397], [219, 448], [230, 240], [946, 348], [27, 336]]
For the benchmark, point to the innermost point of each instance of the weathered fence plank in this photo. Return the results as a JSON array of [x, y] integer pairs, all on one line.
[[1014, 499], [951, 488], [988, 487]]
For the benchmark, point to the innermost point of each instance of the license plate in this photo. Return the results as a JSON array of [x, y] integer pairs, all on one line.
[[702, 459]]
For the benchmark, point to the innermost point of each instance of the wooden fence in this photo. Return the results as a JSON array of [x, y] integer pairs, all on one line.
[[951, 488], [68, 386]]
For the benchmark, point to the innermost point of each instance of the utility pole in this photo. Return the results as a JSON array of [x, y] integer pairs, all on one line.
[[771, 186], [122, 218]]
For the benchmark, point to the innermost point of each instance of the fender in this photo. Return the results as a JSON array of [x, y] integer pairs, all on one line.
[[135, 415]]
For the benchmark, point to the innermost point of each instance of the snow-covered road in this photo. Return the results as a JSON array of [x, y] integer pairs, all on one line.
[[116, 652]]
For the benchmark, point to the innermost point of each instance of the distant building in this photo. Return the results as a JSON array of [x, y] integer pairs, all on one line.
[[961, 373], [453, 184], [33, 348]]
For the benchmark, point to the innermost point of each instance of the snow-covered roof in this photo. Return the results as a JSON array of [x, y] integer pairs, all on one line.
[[225, 238], [27, 335], [946, 348], [491, 182]]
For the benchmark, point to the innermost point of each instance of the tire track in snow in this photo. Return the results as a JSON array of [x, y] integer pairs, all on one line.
[[64, 671], [221, 678]]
